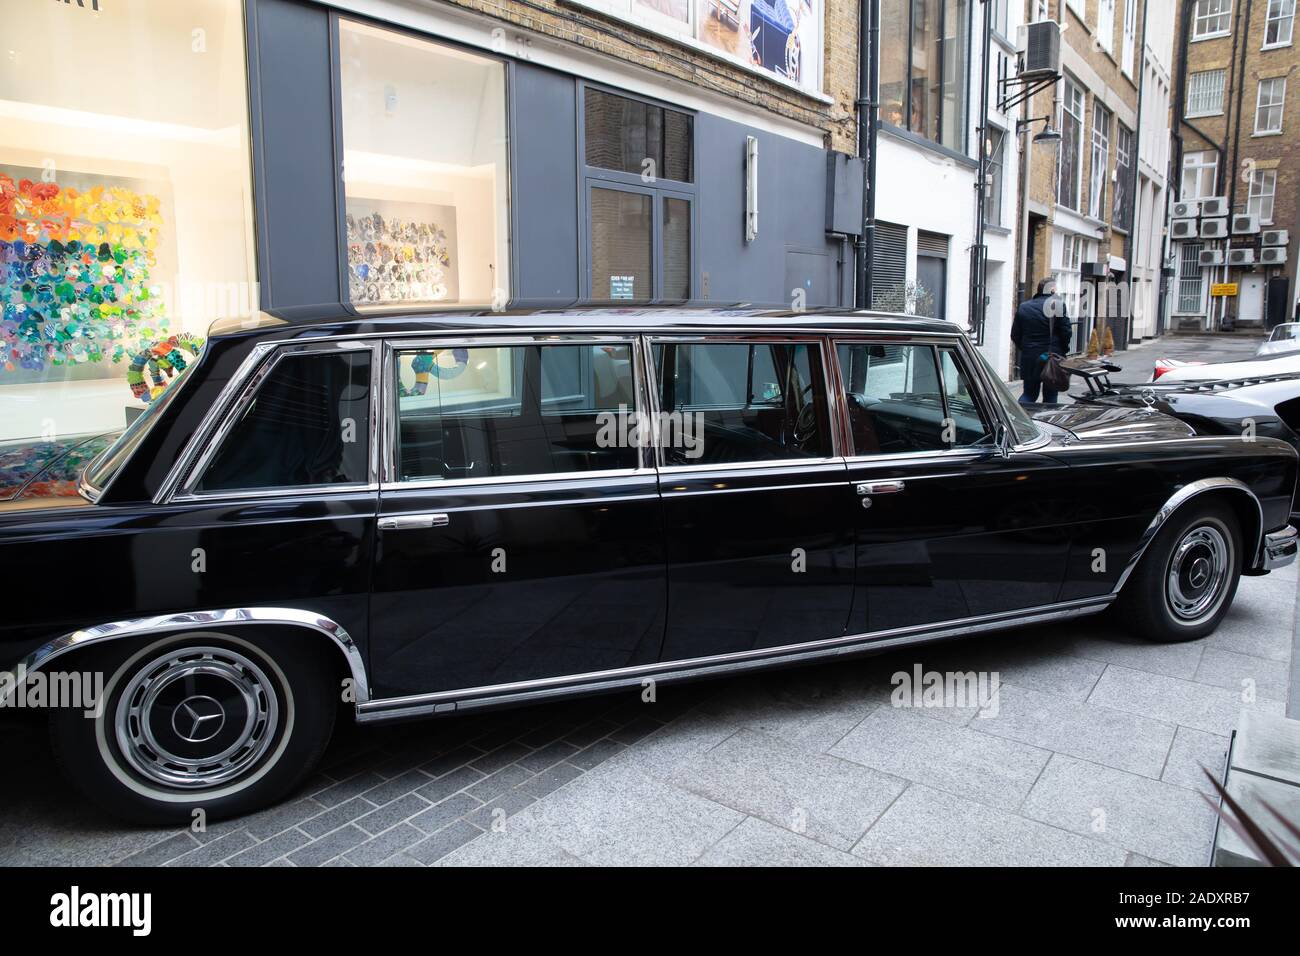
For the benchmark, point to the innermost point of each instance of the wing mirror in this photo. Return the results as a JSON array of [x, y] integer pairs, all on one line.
[[1002, 440]]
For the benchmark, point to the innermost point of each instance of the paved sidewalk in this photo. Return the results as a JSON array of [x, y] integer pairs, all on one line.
[[1092, 758]]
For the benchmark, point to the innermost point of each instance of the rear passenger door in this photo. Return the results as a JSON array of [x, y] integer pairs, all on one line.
[[519, 529], [759, 552]]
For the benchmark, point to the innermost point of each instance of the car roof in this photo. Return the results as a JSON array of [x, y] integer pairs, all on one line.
[[621, 319]]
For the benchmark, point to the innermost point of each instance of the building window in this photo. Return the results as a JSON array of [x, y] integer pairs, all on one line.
[[1268, 105], [1211, 18], [923, 68], [1070, 166], [1191, 282], [1041, 11], [998, 15], [1106, 24], [1263, 185], [1080, 7], [1279, 23], [425, 160], [1205, 93], [996, 147], [1200, 175], [1121, 214], [639, 161], [1128, 57], [1100, 161], [131, 184]]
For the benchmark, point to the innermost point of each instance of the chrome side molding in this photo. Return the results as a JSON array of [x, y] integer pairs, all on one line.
[[501, 695], [226, 617]]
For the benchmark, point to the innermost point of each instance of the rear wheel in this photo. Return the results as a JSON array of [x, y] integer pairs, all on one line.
[[1188, 576], [199, 720]]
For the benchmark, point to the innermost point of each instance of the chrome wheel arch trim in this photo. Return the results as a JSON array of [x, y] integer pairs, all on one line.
[[1179, 498], [199, 620]]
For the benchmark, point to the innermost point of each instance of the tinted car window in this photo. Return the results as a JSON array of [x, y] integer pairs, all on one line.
[[502, 411], [308, 424], [741, 402]]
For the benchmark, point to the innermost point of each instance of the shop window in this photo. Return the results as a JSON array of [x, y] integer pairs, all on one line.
[[308, 425], [511, 411], [639, 173], [125, 205], [425, 171]]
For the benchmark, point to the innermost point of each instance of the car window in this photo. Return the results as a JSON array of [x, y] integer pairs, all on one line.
[[969, 426], [308, 424], [741, 402], [504, 411]]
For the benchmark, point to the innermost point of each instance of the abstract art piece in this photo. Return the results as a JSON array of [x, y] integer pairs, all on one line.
[[401, 252], [75, 272]]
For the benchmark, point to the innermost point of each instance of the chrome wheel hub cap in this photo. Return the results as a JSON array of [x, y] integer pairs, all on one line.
[[1198, 573], [196, 717]]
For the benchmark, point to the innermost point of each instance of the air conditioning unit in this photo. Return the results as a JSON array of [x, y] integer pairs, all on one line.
[[1272, 255], [1217, 206], [1211, 257], [1244, 225], [1276, 237], [1187, 210], [1183, 229], [1214, 228], [1241, 257], [1042, 54], [1094, 270]]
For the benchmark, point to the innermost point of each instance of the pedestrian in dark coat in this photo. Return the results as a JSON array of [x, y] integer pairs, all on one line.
[[1041, 326]]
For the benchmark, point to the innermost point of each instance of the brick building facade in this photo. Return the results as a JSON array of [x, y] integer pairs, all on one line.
[[1240, 142]]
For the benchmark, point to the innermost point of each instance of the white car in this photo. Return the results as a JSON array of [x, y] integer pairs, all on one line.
[[1284, 338], [1288, 363]]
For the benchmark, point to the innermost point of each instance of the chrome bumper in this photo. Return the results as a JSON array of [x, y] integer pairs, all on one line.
[[1279, 548]]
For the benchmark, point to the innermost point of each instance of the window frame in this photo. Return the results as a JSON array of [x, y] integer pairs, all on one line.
[[216, 430], [1199, 167], [1270, 19], [1257, 178], [991, 416], [1100, 140], [834, 407], [391, 411], [1199, 18], [1069, 84], [909, 79], [1261, 107], [598, 177], [1193, 113], [996, 160]]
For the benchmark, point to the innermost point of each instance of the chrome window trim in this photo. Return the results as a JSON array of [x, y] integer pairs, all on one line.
[[1177, 500], [499, 694], [390, 400], [772, 464], [727, 337], [225, 617], [226, 414]]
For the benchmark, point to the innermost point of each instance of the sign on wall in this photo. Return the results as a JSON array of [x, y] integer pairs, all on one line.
[[1223, 289], [782, 38]]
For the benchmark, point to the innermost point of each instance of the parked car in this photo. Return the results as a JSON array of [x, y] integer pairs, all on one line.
[[1284, 338], [419, 516]]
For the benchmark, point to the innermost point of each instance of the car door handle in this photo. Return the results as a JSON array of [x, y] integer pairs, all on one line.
[[413, 522], [880, 487]]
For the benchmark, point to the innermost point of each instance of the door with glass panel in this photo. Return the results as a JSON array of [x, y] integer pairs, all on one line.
[[947, 527], [519, 530], [759, 552]]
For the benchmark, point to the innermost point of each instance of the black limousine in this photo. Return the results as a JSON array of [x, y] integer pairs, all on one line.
[[413, 516]]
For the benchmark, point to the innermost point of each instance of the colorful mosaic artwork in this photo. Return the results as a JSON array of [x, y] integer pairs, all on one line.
[[74, 274], [396, 260], [163, 360]]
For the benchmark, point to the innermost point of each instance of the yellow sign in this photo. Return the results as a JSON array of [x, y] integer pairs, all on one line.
[[1223, 289]]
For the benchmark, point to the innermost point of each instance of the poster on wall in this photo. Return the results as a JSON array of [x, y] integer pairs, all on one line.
[[779, 37], [80, 260], [401, 252]]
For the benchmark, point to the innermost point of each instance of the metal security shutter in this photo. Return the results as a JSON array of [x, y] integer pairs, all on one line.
[[890, 268], [932, 244]]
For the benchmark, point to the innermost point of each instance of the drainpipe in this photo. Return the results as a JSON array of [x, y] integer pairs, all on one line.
[[1236, 139], [868, 125], [1130, 241], [979, 290]]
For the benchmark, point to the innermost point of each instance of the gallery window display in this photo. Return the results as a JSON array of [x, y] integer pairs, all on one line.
[[125, 206], [424, 171]]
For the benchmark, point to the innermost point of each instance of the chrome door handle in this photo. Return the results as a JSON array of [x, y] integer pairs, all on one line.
[[880, 487], [413, 522]]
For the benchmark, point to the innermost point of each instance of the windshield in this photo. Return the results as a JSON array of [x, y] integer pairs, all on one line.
[[102, 470], [1288, 330], [1023, 428]]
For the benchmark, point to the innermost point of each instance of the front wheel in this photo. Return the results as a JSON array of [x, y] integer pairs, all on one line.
[[198, 721], [1187, 578]]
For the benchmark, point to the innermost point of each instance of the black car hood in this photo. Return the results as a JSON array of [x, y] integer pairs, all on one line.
[[1093, 423]]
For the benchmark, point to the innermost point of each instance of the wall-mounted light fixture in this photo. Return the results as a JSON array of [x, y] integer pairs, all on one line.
[[751, 188]]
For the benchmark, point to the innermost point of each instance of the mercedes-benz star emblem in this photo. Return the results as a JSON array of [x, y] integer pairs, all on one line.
[[1200, 573], [198, 718], [1148, 396]]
